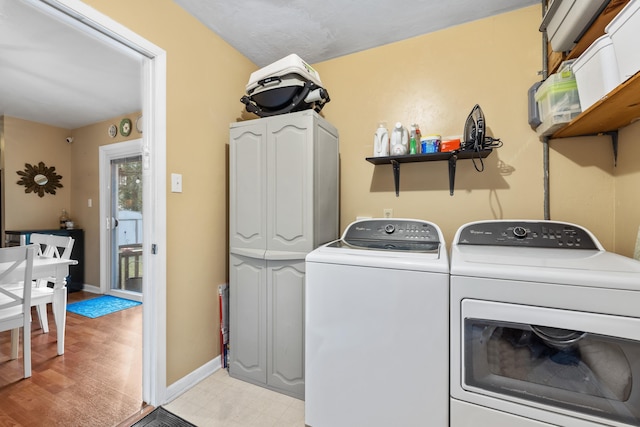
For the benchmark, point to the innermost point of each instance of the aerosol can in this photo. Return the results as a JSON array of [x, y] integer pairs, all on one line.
[[399, 140], [381, 141]]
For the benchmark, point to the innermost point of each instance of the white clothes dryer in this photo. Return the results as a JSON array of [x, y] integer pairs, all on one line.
[[545, 328], [376, 339]]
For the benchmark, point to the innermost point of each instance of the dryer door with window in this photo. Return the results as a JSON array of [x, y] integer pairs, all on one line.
[[578, 363]]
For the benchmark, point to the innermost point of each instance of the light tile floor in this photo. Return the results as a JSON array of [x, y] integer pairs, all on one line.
[[222, 401]]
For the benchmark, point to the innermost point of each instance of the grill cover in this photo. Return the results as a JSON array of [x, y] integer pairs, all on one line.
[[284, 86]]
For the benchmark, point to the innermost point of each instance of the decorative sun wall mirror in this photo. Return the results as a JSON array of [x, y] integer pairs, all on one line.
[[39, 179]]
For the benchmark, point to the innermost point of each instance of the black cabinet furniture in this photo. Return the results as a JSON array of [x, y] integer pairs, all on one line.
[[75, 282]]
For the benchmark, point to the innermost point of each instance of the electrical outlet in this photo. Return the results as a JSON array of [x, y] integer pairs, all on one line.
[[388, 213]]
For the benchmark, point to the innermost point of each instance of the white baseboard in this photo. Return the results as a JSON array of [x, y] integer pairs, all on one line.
[[184, 384], [92, 289]]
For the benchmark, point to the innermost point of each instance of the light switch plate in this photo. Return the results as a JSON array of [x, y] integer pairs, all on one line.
[[176, 183]]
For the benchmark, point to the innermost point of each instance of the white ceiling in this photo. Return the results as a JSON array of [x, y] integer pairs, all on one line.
[[267, 30], [52, 73]]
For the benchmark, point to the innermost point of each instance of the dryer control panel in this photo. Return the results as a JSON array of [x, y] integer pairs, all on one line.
[[393, 234], [535, 234]]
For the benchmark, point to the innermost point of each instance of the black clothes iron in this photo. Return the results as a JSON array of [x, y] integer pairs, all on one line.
[[474, 130], [475, 141]]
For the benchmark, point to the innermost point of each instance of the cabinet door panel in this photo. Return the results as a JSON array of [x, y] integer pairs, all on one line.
[[285, 321], [247, 187], [247, 318], [290, 178]]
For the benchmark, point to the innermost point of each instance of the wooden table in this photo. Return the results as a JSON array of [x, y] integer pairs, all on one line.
[[52, 267]]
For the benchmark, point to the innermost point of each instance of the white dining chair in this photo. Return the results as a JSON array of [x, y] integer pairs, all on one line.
[[49, 246], [15, 307]]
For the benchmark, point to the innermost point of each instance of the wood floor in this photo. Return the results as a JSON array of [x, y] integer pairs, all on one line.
[[97, 382]]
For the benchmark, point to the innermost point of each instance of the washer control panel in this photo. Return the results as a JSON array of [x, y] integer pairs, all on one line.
[[390, 234], [535, 234]]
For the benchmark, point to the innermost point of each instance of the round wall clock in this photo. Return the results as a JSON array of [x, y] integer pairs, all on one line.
[[125, 127], [113, 131]]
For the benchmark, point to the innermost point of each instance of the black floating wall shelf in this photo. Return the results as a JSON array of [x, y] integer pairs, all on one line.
[[452, 157]]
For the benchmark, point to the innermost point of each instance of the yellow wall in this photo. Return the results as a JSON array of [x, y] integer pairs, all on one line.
[[582, 185], [77, 163], [435, 80], [29, 142], [627, 190], [205, 80]]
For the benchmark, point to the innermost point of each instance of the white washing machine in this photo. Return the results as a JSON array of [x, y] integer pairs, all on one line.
[[376, 338], [545, 328]]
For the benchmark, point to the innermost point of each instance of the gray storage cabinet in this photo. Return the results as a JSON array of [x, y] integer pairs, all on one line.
[[283, 203]]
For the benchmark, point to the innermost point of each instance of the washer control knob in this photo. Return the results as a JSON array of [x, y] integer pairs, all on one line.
[[520, 232], [389, 228]]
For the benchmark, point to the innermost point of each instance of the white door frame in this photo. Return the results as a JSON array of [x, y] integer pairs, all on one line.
[[92, 22], [107, 153]]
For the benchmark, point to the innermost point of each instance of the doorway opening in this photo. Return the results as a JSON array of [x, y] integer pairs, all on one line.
[[153, 150]]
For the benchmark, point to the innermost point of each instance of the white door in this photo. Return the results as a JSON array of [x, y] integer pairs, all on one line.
[[121, 219], [248, 188], [290, 185], [285, 326], [247, 318]]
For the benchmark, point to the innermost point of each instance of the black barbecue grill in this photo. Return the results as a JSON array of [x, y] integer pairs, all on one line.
[[286, 86]]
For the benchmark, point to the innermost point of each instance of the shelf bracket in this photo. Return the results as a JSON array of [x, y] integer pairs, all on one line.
[[451, 156], [452, 172], [396, 176], [614, 143]]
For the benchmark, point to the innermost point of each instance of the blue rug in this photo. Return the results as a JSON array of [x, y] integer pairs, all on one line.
[[100, 306]]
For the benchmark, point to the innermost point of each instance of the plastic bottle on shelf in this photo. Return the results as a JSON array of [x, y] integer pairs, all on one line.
[[381, 141], [399, 140], [418, 138], [63, 219], [413, 144]]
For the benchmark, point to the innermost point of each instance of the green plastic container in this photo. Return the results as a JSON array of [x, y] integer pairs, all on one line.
[[558, 96]]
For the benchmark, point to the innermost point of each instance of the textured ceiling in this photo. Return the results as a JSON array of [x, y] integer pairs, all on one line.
[[267, 30], [52, 73]]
